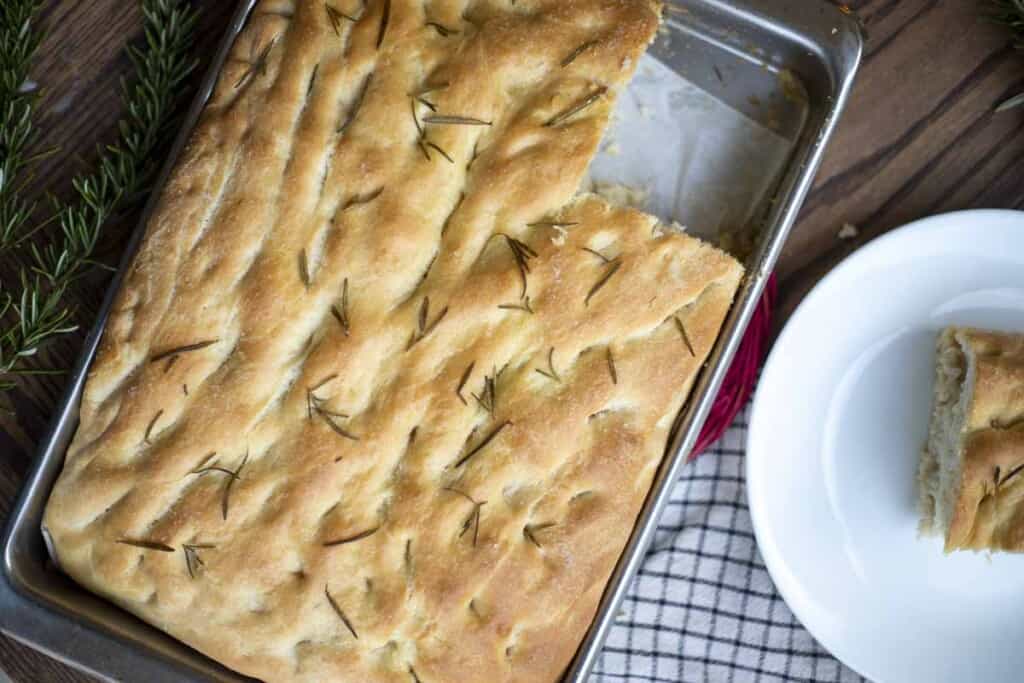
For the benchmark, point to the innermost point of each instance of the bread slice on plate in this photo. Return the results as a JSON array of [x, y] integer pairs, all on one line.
[[971, 474]]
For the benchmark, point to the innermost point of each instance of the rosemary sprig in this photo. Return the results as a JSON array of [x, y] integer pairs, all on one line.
[[178, 350], [313, 401], [330, 418], [235, 476], [522, 253], [483, 444], [552, 224], [462, 382], [550, 373], [530, 531], [598, 254], [351, 539], [613, 267], [192, 559], [576, 108], [453, 120], [523, 305], [1011, 474], [19, 39], [686, 338], [488, 398], [360, 199], [257, 63], [384, 20], [152, 423], [577, 52], [341, 313], [304, 268], [472, 521], [340, 613], [434, 146], [424, 325], [1011, 14], [146, 545], [611, 366], [124, 169]]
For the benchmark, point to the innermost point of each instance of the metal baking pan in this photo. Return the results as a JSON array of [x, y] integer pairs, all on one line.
[[786, 65]]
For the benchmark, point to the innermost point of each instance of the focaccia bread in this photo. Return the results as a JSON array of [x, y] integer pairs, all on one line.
[[971, 491], [379, 400]]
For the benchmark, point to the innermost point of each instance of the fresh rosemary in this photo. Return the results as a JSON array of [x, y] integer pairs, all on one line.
[[686, 338], [192, 559], [424, 325], [472, 520], [577, 52], [576, 108], [178, 350], [1011, 14], [385, 17], [152, 423], [530, 531], [488, 398], [483, 444], [40, 313], [523, 305], [235, 476], [522, 253], [462, 382], [613, 267], [611, 366], [340, 313], [452, 120], [550, 373], [341, 614], [351, 539], [146, 545]]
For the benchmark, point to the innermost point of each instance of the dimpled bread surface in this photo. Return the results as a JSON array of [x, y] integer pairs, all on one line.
[[380, 398]]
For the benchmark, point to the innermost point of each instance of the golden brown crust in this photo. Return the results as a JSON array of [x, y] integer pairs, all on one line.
[[360, 414], [989, 512]]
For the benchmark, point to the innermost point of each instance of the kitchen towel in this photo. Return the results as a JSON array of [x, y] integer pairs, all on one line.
[[703, 608]]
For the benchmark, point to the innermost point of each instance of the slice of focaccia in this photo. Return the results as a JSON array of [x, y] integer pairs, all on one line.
[[970, 483]]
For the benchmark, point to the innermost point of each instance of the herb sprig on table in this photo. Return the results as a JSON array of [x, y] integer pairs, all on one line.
[[1011, 14], [37, 311]]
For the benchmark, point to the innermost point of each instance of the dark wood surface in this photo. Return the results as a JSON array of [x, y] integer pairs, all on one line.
[[918, 138]]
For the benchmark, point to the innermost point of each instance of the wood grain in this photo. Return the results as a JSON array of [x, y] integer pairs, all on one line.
[[919, 137]]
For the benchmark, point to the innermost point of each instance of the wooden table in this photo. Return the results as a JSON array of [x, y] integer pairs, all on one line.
[[918, 138]]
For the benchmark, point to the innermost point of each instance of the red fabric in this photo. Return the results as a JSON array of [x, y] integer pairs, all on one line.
[[742, 375]]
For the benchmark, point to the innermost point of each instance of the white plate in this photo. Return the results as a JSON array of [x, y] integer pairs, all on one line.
[[837, 426]]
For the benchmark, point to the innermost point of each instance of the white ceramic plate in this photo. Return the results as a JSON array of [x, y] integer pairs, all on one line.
[[837, 426]]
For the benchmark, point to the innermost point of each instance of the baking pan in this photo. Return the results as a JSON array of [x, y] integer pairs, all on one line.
[[785, 64]]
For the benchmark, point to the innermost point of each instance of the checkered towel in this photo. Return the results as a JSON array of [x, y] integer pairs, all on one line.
[[703, 608]]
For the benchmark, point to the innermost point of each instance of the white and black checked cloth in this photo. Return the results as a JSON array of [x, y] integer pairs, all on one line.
[[703, 608]]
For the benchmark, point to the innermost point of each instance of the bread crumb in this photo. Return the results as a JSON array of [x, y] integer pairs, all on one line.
[[613, 150], [848, 231], [646, 112], [623, 195]]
